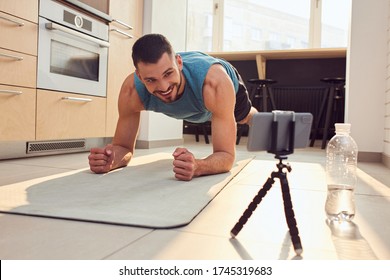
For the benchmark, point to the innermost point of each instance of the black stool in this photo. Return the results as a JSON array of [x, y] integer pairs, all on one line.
[[260, 94], [241, 129], [199, 126], [331, 100], [206, 126]]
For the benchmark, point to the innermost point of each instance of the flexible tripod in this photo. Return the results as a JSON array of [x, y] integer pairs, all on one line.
[[282, 176]]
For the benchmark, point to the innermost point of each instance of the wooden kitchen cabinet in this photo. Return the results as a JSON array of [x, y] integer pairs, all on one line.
[[63, 115], [120, 63], [129, 12], [18, 63], [18, 34], [17, 69], [17, 107], [26, 9]]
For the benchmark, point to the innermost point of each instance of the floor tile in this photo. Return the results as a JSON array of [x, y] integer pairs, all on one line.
[[68, 161], [162, 245], [15, 173], [23, 237], [264, 236]]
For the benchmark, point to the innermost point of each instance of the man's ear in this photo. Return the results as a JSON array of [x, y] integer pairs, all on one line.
[[179, 61]]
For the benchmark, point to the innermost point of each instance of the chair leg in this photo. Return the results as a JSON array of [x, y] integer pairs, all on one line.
[[328, 118], [255, 97], [265, 100], [196, 133], [240, 131], [206, 136], [271, 97], [239, 134], [319, 117]]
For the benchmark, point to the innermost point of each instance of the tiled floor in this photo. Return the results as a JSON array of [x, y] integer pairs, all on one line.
[[265, 236]]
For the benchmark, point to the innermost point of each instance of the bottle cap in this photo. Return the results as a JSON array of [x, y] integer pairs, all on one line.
[[343, 127]]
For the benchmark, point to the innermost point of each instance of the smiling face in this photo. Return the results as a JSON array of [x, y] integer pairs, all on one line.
[[164, 78]]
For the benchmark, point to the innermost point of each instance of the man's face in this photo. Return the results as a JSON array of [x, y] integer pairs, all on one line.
[[163, 78]]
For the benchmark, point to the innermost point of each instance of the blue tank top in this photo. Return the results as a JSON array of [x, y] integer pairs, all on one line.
[[190, 106]]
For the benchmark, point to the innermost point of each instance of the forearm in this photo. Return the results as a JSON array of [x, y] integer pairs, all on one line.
[[218, 162], [124, 140], [122, 156]]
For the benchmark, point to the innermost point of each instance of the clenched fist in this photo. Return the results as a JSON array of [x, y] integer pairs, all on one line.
[[184, 164], [101, 159]]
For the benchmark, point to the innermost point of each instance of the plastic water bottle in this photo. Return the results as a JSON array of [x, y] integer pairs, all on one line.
[[341, 164]]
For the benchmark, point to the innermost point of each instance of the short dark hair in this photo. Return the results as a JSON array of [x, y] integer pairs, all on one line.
[[150, 48]]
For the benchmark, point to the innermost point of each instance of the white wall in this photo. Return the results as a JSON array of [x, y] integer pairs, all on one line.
[[168, 17], [386, 151], [366, 74], [158, 127], [169, 20]]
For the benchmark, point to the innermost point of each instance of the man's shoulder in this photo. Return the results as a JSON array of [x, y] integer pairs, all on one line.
[[192, 53], [195, 56], [129, 94], [128, 85], [216, 71]]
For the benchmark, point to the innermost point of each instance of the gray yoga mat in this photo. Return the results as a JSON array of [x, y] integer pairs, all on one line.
[[144, 194]]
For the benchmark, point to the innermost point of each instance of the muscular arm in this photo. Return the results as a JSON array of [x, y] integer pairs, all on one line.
[[219, 97], [129, 107], [120, 151]]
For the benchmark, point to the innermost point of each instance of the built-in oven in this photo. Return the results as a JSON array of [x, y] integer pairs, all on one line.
[[72, 50]]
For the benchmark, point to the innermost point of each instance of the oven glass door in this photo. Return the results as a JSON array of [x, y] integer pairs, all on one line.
[[70, 63], [73, 62]]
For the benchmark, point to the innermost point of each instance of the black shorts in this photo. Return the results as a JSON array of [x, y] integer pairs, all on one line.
[[243, 102]]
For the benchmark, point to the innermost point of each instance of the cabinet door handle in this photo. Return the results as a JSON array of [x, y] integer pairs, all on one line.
[[78, 99], [15, 57], [121, 32], [18, 23], [123, 24], [13, 92]]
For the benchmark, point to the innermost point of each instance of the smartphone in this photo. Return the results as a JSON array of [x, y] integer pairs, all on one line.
[[261, 130]]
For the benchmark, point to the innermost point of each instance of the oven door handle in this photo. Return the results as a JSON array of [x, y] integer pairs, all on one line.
[[54, 26]]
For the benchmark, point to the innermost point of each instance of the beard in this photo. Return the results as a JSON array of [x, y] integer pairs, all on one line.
[[171, 94]]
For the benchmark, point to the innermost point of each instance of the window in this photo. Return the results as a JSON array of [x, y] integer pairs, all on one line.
[[199, 25], [335, 23], [245, 25], [277, 20]]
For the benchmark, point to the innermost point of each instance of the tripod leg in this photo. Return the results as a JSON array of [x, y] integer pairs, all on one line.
[[290, 216], [252, 207]]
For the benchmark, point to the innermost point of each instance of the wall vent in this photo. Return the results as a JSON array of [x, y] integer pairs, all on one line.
[[55, 146]]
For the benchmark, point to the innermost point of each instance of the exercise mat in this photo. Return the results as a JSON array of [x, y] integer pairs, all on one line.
[[144, 194]]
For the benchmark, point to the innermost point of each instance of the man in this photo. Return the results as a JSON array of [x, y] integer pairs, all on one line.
[[190, 86]]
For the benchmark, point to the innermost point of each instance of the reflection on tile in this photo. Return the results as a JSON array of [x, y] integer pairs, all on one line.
[[267, 223], [182, 245], [349, 243], [373, 221], [378, 171]]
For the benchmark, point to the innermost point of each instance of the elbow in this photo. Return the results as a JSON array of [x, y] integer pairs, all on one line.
[[229, 162]]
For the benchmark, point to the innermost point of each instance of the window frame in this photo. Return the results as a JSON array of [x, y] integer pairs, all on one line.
[[315, 22]]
